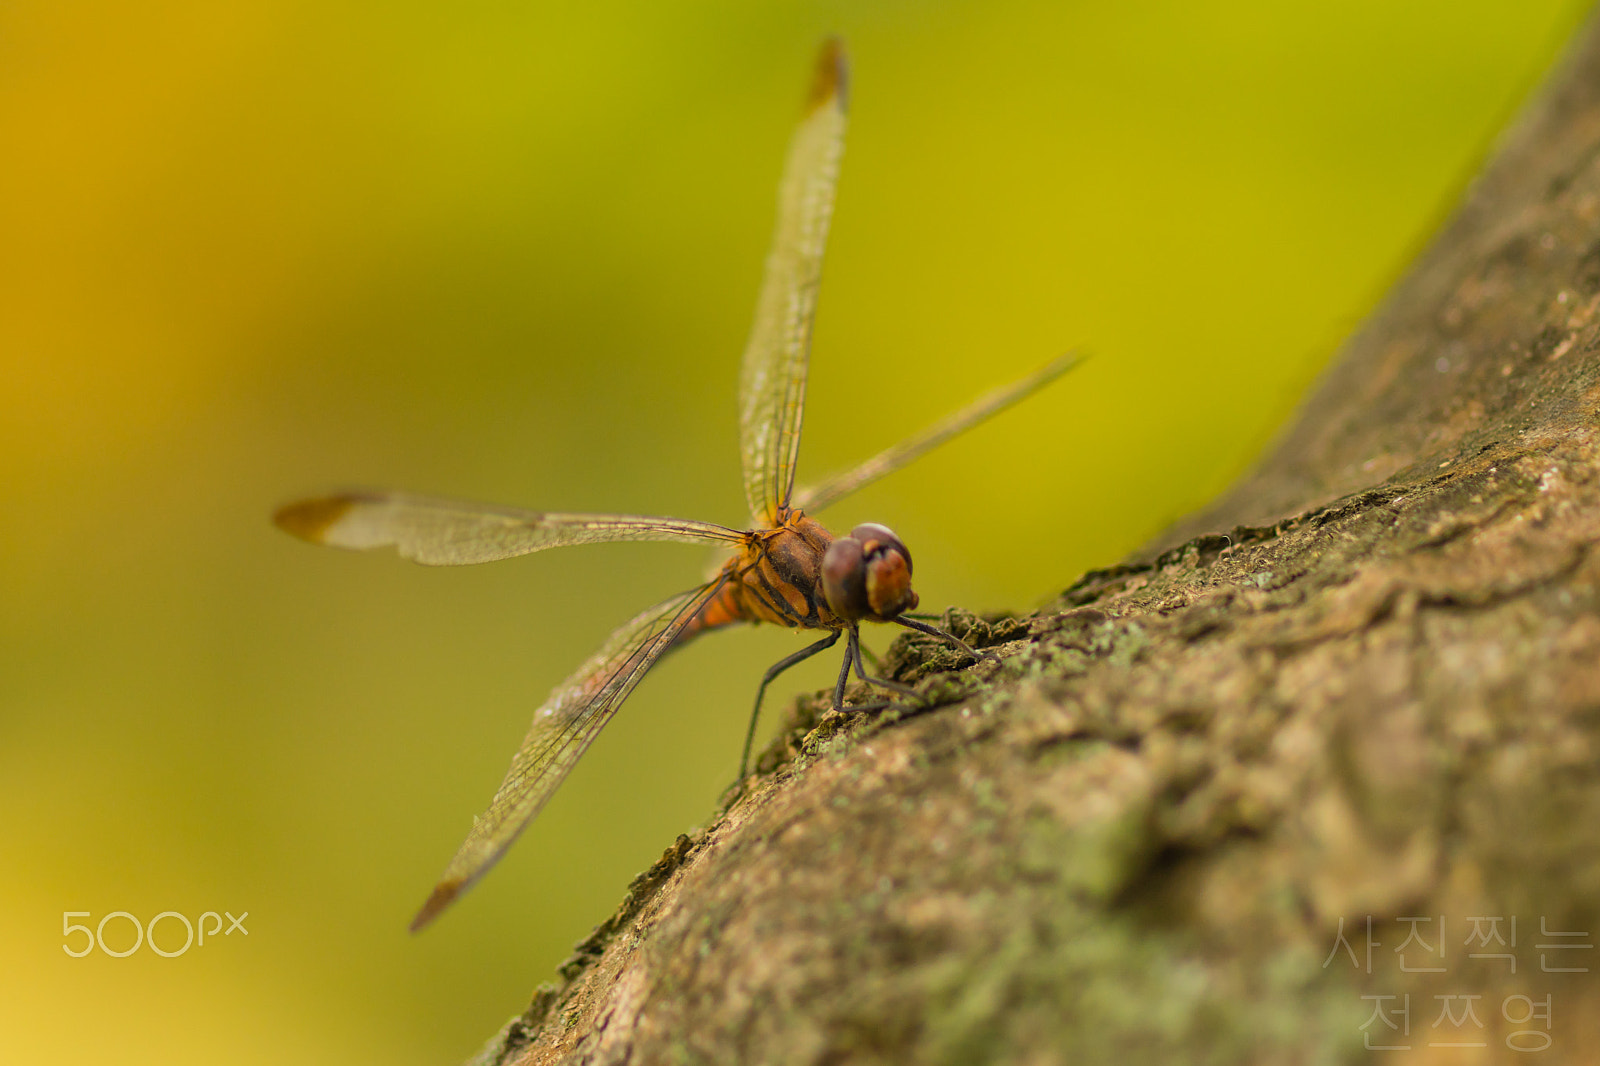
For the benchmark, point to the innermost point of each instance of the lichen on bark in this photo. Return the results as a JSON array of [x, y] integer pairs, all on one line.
[[1364, 683]]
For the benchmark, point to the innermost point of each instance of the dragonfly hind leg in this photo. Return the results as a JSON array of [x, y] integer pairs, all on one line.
[[766, 679], [852, 660]]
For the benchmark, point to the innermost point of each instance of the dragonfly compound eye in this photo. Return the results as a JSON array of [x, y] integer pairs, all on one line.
[[868, 575], [889, 582], [874, 537], [844, 579]]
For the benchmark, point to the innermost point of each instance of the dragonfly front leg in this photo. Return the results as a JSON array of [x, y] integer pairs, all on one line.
[[935, 631]]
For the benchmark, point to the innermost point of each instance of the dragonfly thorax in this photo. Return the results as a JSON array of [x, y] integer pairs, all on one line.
[[797, 574], [867, 575]]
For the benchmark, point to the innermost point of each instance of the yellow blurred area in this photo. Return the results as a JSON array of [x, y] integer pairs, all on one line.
[[510, 252]]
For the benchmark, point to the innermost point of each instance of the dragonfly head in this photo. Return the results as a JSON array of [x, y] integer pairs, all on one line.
[[867, 575]]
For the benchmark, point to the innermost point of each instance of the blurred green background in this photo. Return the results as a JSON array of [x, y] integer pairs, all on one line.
[[260, 249]]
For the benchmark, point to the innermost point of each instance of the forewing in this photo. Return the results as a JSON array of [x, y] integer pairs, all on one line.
[[892, 459], [772, 383], [451, 533], [562, 730]]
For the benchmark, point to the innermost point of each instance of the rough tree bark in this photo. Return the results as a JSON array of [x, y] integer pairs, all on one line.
[[1364, 683]]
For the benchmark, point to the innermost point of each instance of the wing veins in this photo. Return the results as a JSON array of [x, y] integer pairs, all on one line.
[[953, 425], [546, 757], [442, 532], [773, 374]]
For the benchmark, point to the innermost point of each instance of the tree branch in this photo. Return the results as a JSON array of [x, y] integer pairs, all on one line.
[[1366, 682]]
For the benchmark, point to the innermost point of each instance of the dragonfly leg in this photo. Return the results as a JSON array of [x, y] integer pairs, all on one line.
[[844, 668], [855, 646], [935, 631], [766, 679]]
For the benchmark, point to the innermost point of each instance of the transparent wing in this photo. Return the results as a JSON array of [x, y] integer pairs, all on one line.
[[452, 533], [772, 383], [892, 459], [562, 730]]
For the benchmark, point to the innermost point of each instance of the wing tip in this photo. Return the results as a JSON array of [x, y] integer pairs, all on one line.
[[831, 81], [311, 519], [1070, 360], [444, 894]]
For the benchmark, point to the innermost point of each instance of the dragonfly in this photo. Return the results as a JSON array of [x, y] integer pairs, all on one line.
[[786, 569]]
